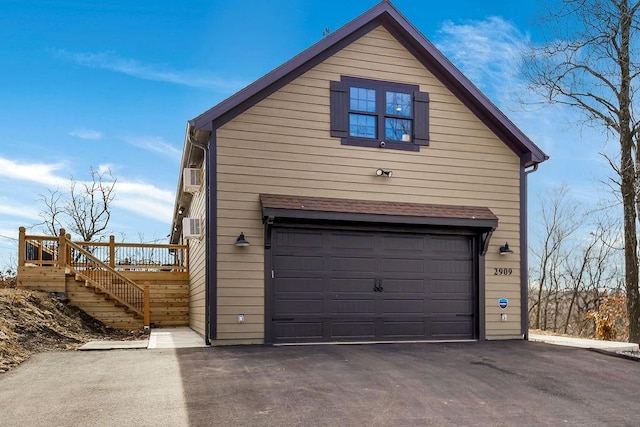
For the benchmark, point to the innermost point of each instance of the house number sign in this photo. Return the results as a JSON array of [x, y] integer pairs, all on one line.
[[502, 271]]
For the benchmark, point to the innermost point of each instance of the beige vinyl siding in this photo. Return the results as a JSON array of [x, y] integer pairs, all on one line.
[[197, 262], [282, 146]]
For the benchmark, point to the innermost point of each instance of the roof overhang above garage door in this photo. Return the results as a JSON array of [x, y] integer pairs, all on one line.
[[276, 206]]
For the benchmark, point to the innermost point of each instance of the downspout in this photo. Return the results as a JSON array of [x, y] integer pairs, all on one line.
[[524, 266], [199, 144], [193, 142]]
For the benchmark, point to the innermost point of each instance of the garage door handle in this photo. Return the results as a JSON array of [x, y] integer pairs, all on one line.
[[377, 285]]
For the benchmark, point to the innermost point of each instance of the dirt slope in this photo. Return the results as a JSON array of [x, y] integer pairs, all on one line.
[[34, 321]]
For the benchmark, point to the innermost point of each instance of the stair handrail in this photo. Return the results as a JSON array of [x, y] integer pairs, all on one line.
[[118, 290]]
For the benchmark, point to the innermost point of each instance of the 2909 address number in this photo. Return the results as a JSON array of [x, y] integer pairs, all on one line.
[[502, 271]]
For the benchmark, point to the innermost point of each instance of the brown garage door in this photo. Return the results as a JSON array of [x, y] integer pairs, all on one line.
[[330, 285]]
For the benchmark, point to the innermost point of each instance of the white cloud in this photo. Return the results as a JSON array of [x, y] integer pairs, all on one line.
[[17, 209], [83, 133], [145, 200], [43, 173], [106, 168], [156, 144], [131, 67], [149, 208], [489, 53], [149, 191], [137, 197]]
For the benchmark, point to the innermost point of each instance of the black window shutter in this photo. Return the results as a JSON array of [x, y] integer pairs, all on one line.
[[339, 109], [421, 118]]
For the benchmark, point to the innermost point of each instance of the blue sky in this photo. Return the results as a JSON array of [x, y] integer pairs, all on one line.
[[111, 84]]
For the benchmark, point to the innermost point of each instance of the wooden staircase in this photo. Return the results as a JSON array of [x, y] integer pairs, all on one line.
[[100, 305], [111, 298]]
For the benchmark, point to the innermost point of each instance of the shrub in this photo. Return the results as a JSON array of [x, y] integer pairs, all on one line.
[[8, 278], [610, 318]]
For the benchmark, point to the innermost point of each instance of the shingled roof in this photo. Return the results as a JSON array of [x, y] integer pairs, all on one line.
[[278, 205]]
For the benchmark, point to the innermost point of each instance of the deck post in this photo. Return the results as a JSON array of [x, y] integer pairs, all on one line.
[[22, 246], [186, 258], [112, 251], [147, 305], [68, 259], [62, 248]]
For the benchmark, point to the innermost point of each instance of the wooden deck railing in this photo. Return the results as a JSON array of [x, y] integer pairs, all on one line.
[[46, 251]]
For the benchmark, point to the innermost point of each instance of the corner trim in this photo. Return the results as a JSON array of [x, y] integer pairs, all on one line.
[[524, 257], [481, 297], [211, 257], [268, 280]]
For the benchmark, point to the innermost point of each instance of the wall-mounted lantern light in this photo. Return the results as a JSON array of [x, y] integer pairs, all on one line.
[[382, 172], [242, 241], [505, 250], [180, 210]]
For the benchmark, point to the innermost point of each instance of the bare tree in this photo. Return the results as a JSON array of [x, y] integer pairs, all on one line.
[[592, 65], [591, 271], [574, 263], [84, 210], [559, 222]]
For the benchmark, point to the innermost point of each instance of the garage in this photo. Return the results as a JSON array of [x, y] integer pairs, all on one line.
[[344, 270], [348, 285]]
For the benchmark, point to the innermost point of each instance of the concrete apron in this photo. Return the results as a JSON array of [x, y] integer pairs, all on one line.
[[184, 337], [612, 346], [158, 338]]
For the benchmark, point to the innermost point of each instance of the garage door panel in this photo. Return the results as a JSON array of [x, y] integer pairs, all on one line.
[[353, 330], [348, 285], [284, 263], [454, 244], [403, 265], [403, 329], [451, 286], [452, 328], [403, 306], [299, 239], [356, 264], [403, 286], [354, 306], [299, 331], [298, 306], [285, 285], [403, 244], [346, 242], [451, 307], [456, 267]]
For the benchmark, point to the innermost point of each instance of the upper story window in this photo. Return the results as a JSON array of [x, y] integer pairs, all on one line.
[[367, 112]]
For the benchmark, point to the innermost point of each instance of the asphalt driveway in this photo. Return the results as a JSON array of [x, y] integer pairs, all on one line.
[[485, 383]]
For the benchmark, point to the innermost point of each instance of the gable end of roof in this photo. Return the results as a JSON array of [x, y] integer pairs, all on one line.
[[392, 20]]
